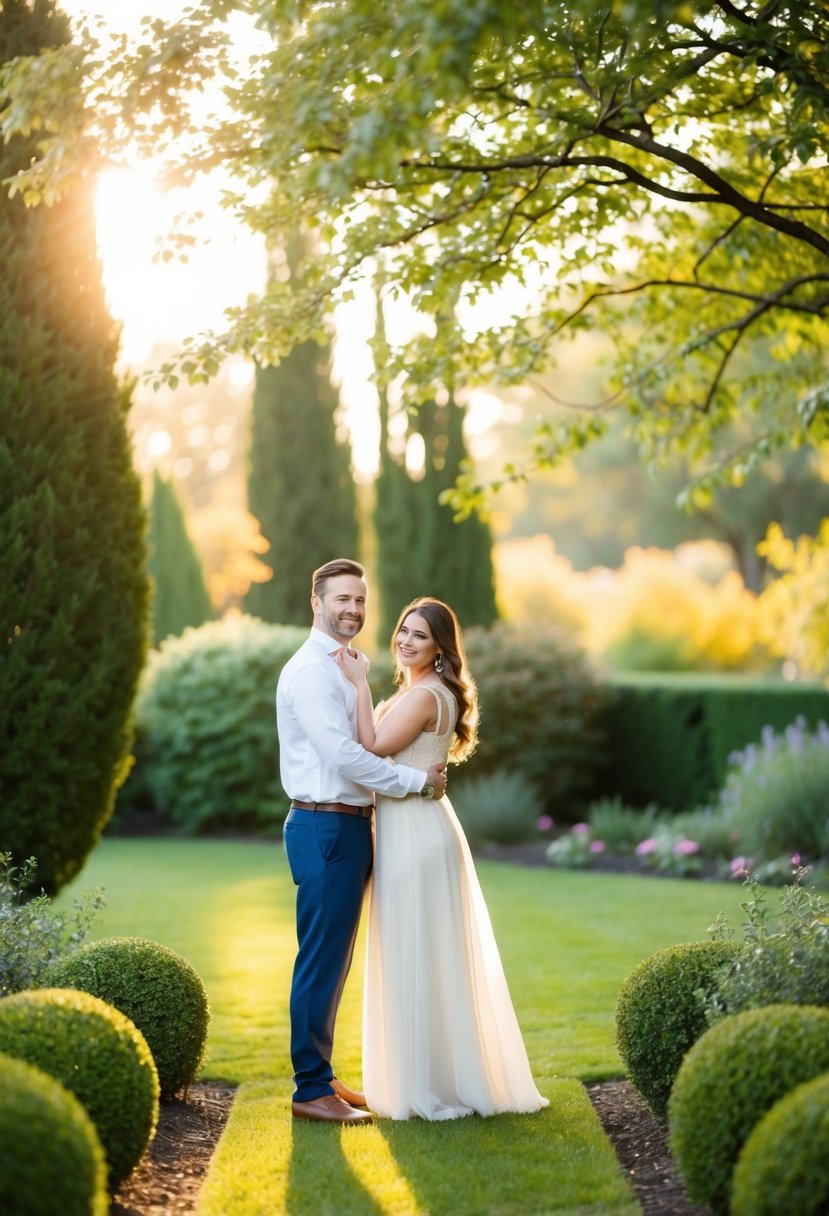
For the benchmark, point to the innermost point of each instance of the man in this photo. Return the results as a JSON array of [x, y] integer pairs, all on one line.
[[329, 778]]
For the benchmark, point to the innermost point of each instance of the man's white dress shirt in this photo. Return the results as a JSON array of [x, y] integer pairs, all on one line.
[[320, 758]]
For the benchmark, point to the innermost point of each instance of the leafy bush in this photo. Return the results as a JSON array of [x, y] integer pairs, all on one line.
[[98, 1055], [500, 808], [785, 962], [784, 1166], [776, 795], [156, 989], [52, 1161], [728, 1080], [207, 726], [539, 706], [621, 827], [659, 1015], [32, 933], [670, 851], [576, 849], [710, 830]]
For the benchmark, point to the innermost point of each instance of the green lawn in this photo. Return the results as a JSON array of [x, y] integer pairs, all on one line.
[[568, 939]]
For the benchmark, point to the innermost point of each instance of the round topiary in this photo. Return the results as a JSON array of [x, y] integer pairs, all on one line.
[[659, 1016], [51, 1160], [727, 1082], [157, 989], [99, 1055], [784, 1165]]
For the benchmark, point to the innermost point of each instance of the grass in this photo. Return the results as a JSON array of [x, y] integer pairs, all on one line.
[[568, 940]]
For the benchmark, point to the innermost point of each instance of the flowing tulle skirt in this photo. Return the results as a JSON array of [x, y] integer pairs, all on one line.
[[440, 1036]]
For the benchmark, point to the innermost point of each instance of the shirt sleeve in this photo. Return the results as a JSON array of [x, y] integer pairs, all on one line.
[[323, 715]]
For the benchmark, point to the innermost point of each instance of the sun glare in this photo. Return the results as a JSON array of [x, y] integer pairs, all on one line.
[[161, 299]]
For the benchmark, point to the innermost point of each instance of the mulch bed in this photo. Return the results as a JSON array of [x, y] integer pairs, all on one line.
[[168, 1180]]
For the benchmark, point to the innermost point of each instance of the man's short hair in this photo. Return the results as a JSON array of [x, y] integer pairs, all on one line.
[[340, 565]]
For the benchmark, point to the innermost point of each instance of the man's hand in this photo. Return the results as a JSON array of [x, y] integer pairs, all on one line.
[[437, 776]]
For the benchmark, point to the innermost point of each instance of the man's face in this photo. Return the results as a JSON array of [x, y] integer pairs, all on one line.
[[341, 610]]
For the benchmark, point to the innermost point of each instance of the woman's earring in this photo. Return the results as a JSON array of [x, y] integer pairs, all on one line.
[[438, 663]]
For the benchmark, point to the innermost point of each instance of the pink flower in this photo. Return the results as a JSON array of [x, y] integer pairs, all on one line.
[[795, 859], [596, 846], [544, 823], [740, 865], [580, 829], [685, 848], [645, 847]]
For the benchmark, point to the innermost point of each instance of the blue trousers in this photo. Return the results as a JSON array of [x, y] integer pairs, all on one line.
[[330, 856]]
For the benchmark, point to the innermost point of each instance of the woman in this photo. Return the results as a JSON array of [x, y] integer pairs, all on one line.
[[440, 1037]]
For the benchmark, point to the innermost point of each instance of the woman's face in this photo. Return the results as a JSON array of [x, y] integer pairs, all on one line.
[[415, 645]]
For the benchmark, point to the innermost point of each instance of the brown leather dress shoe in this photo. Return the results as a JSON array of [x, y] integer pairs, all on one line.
[[329, 1109], [352, 1096]]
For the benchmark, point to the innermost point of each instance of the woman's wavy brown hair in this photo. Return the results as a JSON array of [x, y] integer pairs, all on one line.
[[446, 632]]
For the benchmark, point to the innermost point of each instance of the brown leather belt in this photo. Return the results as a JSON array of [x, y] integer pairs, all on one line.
[[343, 808]]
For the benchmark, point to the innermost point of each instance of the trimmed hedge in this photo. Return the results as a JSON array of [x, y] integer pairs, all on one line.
[[51, 1160], [658, 1016], [784, 1166], [669, 737], [99, 1056], [727, 1082], [156, 989]]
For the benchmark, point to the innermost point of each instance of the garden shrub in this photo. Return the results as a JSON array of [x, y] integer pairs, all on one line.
[[784, 1166], [539, 713], [32, 933], [156, 989], [728, 1080], [659, 1015], [575, 849], [99, 1055], [207, 721], [499, 808], [51, 1160], [776, 793], [785, 961], [619, 826]]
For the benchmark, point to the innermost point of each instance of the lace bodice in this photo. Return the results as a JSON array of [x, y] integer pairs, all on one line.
[[430, 747]]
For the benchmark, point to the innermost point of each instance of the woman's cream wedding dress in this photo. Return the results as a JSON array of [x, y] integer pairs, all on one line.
[[440, 1036]]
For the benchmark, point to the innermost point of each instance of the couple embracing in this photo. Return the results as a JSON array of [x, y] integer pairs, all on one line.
[[367, 790]]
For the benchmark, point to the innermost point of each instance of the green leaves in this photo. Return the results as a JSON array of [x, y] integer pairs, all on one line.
[[651, 170]]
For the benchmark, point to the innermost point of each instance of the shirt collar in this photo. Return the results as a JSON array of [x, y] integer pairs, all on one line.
[[320, 638]]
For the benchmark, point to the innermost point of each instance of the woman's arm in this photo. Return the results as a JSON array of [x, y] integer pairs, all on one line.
[[414, 712]]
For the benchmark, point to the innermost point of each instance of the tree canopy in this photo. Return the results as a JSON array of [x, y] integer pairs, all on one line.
[[656, 170]]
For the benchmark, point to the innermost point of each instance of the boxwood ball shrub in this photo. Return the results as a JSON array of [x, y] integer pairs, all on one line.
[[156, 989], [51, 1160], [98, 1054], [729, 1079], [784, 1165], [659, 1015], [206, 724]]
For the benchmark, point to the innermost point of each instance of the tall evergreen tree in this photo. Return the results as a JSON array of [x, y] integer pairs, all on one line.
[[73, 592], [179, 593], [421, 550], [300, 484]]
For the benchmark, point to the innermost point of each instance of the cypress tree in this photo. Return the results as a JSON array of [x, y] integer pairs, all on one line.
[[300, 484], [420, 548], [179, 594], [73, 594]]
